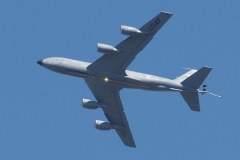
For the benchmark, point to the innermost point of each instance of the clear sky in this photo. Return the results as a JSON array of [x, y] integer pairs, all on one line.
[[41, 115]]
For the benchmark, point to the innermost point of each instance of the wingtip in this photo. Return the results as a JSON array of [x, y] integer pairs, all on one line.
[[207, 67], [167, 12], [132, 146]]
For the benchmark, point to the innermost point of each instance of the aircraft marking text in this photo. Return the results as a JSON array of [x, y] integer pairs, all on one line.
[[154, 24]]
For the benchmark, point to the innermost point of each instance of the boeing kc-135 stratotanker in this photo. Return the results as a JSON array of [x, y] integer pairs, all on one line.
[[108, 75]]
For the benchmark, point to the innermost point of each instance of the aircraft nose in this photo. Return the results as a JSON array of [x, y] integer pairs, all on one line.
[[40, 62]]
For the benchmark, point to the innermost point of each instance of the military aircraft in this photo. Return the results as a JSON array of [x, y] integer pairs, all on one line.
[[108, 75]]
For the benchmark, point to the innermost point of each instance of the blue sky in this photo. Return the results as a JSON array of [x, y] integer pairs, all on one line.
[[40, 112]]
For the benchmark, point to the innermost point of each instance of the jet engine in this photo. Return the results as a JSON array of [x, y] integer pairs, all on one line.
[[87, 103], [107, 49], [102, 125], [129, 31]]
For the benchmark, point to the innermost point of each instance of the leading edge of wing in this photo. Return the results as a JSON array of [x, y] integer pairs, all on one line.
[[109, 95], [130, 47]]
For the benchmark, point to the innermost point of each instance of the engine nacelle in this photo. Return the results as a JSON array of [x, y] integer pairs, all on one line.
[[107, 49], [129, 31], [87, 103], [102, 125]]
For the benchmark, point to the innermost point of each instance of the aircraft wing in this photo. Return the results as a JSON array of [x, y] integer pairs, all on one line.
[[114, 112], [130, 47]]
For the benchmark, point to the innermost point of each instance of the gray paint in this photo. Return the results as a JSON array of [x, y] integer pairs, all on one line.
[[108, 75]]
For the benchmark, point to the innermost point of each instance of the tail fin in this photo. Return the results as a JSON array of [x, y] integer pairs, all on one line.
[[192, 100], [195, 80]]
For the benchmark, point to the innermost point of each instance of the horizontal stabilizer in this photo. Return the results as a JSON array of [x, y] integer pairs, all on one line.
[[192, 100], [185, 75], [196, 79]]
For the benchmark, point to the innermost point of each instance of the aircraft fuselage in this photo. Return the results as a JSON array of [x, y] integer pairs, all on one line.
[[135, 80]]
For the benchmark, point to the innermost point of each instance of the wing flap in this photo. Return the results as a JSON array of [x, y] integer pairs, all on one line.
[[142, 45], [125, 133], [118, 100], [128, 61]]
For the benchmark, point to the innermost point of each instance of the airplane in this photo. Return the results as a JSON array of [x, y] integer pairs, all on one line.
[[108, 75]]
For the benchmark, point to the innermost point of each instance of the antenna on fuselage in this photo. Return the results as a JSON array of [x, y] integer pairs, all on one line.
[[204, 91]]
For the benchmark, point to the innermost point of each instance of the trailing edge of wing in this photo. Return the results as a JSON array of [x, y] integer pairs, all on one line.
[[131, 46], [114, 113]]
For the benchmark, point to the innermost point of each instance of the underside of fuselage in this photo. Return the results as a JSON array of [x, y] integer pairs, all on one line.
[[107, 75], [134, 80]]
